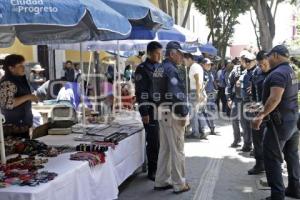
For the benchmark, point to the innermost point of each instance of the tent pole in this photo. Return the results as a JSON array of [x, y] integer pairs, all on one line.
[[89, 73], [97, 81], [82, 87], [119, 78], [2, 148]]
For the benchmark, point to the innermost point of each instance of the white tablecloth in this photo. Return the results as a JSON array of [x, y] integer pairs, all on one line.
[[77, 181]]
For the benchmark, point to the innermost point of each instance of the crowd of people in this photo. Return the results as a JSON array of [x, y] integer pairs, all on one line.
[[257, 91], [179, 95]]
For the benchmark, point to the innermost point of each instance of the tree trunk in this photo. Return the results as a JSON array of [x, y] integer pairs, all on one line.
[[210, 21], [170, 8], [271, 20], [254, 23], [261, 10], [187, 13], [176, 11], [163, 5]]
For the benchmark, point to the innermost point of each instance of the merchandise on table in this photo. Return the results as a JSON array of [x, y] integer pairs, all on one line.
[[32, 148], [108, 133], [24, 172], [108, 144], [59, 131], [92, 148], [114, 138], [24, 146], [80, 129], [94, 158]]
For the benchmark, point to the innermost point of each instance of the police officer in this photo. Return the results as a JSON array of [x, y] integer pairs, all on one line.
[[245, 80], [170, 95], [210, 88], [234, 99], [144, 90], [259, 75], [281, 110]]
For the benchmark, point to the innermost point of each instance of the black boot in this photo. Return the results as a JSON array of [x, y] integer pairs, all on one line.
[[212, 131], [293, 190], [235, 144], [258, 168], [151, 175], [246, 149]]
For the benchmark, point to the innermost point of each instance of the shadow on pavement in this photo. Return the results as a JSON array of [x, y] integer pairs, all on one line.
[[232, 182]]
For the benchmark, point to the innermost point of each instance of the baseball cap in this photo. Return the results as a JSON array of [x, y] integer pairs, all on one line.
[[281, 50], [207, 61], [175, 45], [249, 56], [198, 59], [189, 55], [243, 53]]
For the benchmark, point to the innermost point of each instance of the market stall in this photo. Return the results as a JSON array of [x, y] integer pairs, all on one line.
[[77, 180], [98, 159]]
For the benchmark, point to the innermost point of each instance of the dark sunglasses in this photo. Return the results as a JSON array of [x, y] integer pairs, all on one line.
[[247, 60]]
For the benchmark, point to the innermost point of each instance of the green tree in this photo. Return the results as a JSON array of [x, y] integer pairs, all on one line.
[[221, 18]]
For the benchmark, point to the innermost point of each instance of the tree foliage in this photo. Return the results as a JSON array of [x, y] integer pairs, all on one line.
[[221, 18]]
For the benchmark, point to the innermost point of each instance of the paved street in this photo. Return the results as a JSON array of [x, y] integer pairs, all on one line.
[[214, 171]]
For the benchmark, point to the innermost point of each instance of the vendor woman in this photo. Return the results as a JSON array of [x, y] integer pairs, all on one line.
[[16, 98]]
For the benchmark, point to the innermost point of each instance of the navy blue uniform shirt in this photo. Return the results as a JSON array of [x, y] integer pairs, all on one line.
[[233, 90], [168, 87], [257, 84], [143, 85], [283, 76], [246, 84], [209, 79]]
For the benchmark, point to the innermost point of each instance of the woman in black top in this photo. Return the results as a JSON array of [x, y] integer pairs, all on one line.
[[16, 98]]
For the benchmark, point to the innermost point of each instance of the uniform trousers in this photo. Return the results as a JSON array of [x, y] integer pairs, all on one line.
[[288, 137], [246, 125], [171, 159], [152, 142], [235, 116], [257, 137], [209, 113]]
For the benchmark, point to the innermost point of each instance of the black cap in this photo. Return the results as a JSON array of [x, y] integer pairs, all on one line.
[[175, 45], [189, 55], [281, 50]]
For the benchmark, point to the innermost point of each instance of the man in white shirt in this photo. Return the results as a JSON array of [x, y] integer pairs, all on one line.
[[196, 96]]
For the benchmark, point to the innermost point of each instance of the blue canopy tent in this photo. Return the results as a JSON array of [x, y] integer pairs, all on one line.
[[141, 13], [45, 22], [147, 35], [209, 49]]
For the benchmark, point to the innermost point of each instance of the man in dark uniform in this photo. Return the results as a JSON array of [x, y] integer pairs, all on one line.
[[173, 112], [234, 99], [144, 90], [210, 89], [259, 75], [245, 79], [280, 99]]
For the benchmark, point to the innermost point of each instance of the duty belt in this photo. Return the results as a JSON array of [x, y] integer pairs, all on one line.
[[211, 95]]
